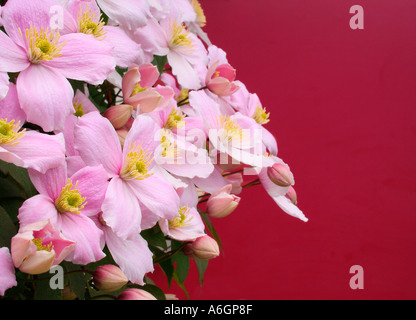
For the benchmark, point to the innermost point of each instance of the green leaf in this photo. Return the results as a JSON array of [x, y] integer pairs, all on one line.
[[160, 62], [168, 269], [155, 237], [201, 265], [7, 229], [211, 229], [77, 281], [153, 290], [180, 284], [20, 177], [43, 290], [181, 266]]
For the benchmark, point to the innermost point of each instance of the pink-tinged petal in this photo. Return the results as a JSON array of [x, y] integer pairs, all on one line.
[[74, 164], [121, 209], [36, 151], [51, 182], [97, 142], [152, 38], [126, 51], [130, 79], [148, 75], [92, 184], [38, 263], [269, 142], [4, 85], [38, 208], [10, 107], [145, 101], [206, 108], [149, 219], [128, 13], [212, 183], [13, 57], [132, 255], [287, 206], [7, 276], [157, 195], [86, 103], [86, 234], [272, 189], [216, 55], [84, 58], [45, 96], [183, 70], [193, 228]]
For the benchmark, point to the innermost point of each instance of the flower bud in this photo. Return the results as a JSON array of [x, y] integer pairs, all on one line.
[[119, 115], [109, 278], [38, 247], [291, 195], [280, 175], [135, 294], [204, 248], [222, 203], [220, 79]]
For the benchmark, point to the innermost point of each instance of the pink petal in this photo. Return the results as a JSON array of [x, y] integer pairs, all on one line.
[[121, 209], [287, 206], [13, 57], [10, 107], [38, 208], [37, 151], [84, 58], [183, 70], [4, 85], [87, 236], [132, 255], [148, 74], [97, 142], [7, 276], [45, 96], [50, 183], [152, 38]]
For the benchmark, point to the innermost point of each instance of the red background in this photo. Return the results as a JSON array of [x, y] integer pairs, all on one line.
[[343, 110]]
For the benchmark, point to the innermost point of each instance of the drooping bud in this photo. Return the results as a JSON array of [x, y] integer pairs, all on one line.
[[119, 115], [109, 278], [280, 175], [291, 195], [204, 248], [222, 202], [135, 294]]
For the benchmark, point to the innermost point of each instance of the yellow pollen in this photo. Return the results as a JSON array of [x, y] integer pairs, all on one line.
[[43, 45], [261, 116], [175, 120], [169, 147], [183, 219], [136, 164], [137, 89], [201, 19], [70, 199], [232, 132], [9, 133], [180, 39], [89, 23], [79, 110], [42, 247], [183, 95]]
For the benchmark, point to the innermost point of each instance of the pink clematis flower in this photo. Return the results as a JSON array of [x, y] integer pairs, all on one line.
[[133, 185], [185, 52], [67, 203], [37, 247], [45, 60], [25, 148], [4, 85], [138, 90], [7, 276]]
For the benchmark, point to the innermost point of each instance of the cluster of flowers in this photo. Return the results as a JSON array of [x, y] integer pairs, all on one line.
[[126, 119]]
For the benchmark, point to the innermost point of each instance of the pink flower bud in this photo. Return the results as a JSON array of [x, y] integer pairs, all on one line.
[[204, 248], [135, 294], [119, 115], [291, 195], [38, 247], [222, 203], [109, 278], [220, 79], [280, 175]]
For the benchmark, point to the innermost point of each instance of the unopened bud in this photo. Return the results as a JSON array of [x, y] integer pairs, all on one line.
[[204, 248], [119, 115], [109, 278], [291, 195], [222, 202], [280, 175], [135, 294]]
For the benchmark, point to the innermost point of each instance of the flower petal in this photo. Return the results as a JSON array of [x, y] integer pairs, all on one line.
[[128, 13], [7, 276], [183, 70], [13, 57], [38, 208], [10, 107]]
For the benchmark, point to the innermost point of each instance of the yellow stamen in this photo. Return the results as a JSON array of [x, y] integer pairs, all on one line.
[[183, 95], [42, 247], [43, 45], [183, 219], [232, 132], [79, 110], [261, 116], [169, 147], [89, 23], [180, 38], [9, 133], [136, 164], [70, 199], [201, 19], [137, 89], [175, 120]]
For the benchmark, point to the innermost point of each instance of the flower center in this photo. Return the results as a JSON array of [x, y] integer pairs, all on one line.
[[41, 247], [43, 45], [231, 132], [137, 89], [183, 219], [136, 164], [261, 116], [180, 38], [175, 120], [9, 132], [79, 110], [202, 20], [70, 199], [89, 23]]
